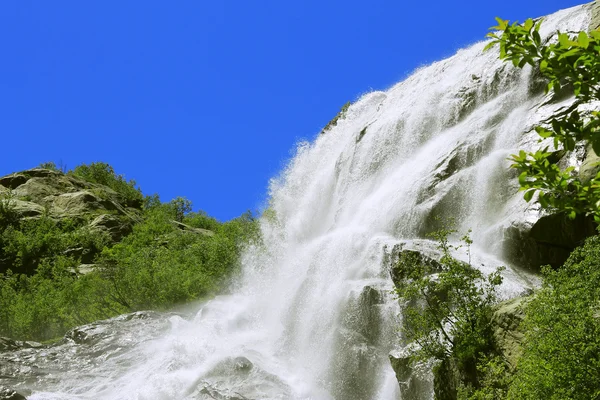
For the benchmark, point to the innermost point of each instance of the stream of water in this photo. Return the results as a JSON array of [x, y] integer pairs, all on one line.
[[312, 316]]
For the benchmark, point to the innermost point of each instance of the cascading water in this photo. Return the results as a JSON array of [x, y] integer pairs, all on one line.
[[312, 316]]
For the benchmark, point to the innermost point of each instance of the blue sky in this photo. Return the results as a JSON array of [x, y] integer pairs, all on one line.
[[206, 99]]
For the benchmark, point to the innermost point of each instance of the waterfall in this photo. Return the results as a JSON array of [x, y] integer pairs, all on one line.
[[312, 315]]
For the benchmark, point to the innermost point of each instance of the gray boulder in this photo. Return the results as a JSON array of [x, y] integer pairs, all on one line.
[[549, 240], [413, 378], [508, 329], [10, 394]]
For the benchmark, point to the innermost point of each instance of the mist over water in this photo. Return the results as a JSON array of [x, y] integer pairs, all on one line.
[[312, 316]]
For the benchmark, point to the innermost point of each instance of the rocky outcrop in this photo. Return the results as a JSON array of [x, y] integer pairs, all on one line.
[[405, 256], [414, 379], [595, 21], [508, 330], [548, 241], [40, 191], [8, 344], [10, 394], [65, 198], [191, 229]]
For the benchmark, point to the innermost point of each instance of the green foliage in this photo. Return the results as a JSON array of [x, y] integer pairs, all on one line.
[[561, 358], [8, 214], [45, 305], [201, 220], [160, 265], [104, 174], [24, 244], [448, 313], [494, 380], [172, 256], [571, 63], [51, 165], [181, 207], [339, 116]]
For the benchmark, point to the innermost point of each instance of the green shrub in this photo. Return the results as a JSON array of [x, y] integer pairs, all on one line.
[[104, 174], [561, 358], [160, 264], [24, 244], [51, 165], [447, 312], [47, 304]]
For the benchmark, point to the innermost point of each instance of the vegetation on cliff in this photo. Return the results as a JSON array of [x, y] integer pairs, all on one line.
[[447, 316], [571, 66], [561, 358], [559, 354], [84, 245]]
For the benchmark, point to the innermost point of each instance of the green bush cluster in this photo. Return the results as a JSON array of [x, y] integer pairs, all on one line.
[[447, 314], [561, 358], [104, 174], [571, 65], [25, 243], [160, 264], [561, 349], [172, 256]]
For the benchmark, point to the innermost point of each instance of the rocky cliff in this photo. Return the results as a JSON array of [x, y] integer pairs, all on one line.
[[67, 199]]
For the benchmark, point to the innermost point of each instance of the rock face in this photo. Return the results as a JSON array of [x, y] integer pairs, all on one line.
[[38, 192], [9, 394], [7, 344], [549, 240], [415, 384], [508, 330], [595, 22]]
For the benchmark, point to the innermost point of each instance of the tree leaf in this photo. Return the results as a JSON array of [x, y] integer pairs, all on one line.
[[596, 144], [583, 39], [528, 195]]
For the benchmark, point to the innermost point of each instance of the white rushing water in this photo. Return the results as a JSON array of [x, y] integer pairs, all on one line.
[[312, 316]]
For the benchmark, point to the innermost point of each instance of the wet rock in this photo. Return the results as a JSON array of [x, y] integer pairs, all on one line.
[[8, 344], [211, 392], [10, 394], [404, 261], [414, 384], [549, 240], [242, 364], [106, 329]]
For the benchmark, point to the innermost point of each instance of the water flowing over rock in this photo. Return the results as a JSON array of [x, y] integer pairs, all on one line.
[[312, 316]]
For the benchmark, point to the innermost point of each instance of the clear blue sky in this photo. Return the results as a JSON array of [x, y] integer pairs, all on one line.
[[206, 99]]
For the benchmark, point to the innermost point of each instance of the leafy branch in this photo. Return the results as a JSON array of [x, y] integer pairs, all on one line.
[[570, 62]]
